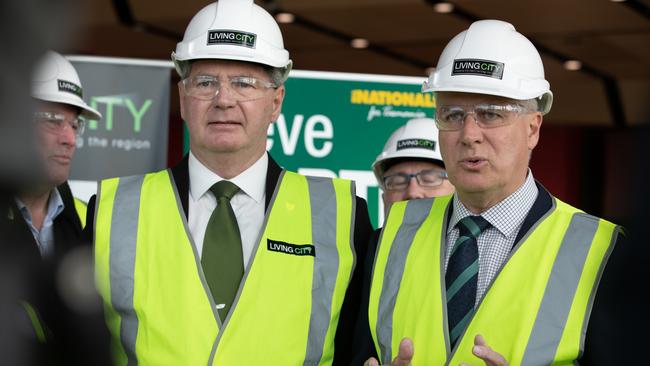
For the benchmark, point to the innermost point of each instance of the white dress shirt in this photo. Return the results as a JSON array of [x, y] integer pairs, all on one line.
[[248, 203], [495, 243]]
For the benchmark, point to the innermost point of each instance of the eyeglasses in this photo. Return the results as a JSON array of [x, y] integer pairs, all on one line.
[[452, 118], [55, 122], [243, 88], [426, 178]]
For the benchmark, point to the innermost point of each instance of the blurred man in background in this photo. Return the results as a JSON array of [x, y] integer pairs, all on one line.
[[42, 229], [410, 166], [48, 211]]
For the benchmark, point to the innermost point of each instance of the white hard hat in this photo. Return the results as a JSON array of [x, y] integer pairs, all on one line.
[[55, 80], [491, 57], [233, 30], [417, 139]]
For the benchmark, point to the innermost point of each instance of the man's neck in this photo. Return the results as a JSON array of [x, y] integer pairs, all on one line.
[[36, 203], [228, 165], [479, 202]]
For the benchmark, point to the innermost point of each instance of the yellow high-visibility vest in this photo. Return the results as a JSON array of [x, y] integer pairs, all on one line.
[[81, 208], [159, 308], [534, 313]]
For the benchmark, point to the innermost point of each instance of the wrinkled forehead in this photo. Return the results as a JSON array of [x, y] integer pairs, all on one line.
[[456, 98], [227, 68], [60, 108]]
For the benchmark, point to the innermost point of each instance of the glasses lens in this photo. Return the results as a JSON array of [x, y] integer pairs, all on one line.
[[431, 177], [247, 88], [49, 121], [397, 182], [490, 116], [201, 86], [80, 126], [450, 118]]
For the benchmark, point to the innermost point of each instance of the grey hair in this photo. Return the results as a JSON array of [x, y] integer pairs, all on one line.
[[530, 104], [278, 75], [183, 68]]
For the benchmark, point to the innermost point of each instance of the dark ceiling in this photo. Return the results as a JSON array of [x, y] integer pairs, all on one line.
[[611, 39]]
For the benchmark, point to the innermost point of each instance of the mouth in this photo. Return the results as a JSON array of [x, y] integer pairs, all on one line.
[[223, 123], [62, 159], [473, 163]]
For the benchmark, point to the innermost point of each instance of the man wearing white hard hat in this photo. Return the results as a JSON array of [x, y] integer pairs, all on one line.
[[501, 272], [45, 230], [52, 217], [227, 259], [410, 165]]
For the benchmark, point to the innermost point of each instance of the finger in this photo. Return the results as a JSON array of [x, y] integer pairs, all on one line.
[[479, 340], [485, 353], [371, 362], [405, 354], [488, 356]]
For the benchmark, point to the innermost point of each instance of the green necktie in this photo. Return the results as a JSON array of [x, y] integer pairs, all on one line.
[[222, 259]]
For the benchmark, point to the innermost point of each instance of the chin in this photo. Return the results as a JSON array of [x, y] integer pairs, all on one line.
[[472, 185], [58, 178]]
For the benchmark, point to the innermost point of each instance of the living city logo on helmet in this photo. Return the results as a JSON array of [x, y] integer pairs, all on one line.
[[478, 67], [70, 87], [416, 144], [231, 37]]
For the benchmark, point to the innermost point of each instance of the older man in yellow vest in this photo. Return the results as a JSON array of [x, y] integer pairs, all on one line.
[[227, 259], [501, 272]]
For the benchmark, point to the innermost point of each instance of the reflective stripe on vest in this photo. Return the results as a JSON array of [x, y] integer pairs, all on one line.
[[534, 312], [289, 302], [81, 208]]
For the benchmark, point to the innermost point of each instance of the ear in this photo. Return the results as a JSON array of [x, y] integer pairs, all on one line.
[[534, 126], [278, 98], [181, 98]]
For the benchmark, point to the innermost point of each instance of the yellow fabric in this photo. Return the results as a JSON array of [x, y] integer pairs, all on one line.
[[104, 213], [39, 331], [506, 315], [393, 221], [81, 208], [176, 325]]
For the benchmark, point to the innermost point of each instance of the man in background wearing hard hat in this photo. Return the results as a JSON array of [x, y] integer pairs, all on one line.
[[410, 166], [52, 217], [501, 272], [261, 277], [44, 227]]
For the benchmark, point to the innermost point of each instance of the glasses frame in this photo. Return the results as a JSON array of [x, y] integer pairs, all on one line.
[[55, 122], [257, 83], [512, 109], [418, 176]]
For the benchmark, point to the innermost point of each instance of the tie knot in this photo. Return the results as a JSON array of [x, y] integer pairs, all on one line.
[[472, 225], [224, 189]]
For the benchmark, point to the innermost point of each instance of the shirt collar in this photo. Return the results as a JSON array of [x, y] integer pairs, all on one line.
[[55, 206], [248, 181], [507, 215]]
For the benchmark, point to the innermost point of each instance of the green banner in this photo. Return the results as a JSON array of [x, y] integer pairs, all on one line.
[[335, 124]]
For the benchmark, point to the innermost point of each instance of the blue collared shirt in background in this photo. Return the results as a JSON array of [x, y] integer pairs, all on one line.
[[45, 236]]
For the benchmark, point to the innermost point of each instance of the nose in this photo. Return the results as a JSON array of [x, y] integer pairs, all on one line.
[[67, 135], [414, 191], [224, 97], [471, 132]]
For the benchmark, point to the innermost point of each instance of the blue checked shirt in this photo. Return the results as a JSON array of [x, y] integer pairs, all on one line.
[[495, 243]]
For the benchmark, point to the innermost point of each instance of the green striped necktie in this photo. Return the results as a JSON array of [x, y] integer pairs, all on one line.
[[461, 278]]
